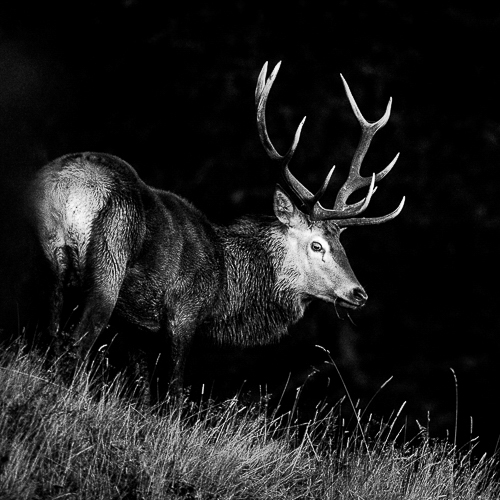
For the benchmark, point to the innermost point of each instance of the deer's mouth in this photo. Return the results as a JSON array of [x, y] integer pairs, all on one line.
[[344, 303], [348, 304]]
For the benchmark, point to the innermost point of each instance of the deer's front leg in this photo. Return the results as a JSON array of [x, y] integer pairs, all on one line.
[[168, 360]]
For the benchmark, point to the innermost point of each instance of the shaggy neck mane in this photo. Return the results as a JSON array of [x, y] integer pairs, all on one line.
[[258, 303]]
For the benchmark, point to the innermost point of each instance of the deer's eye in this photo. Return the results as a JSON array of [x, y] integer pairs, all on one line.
[[316, 247]]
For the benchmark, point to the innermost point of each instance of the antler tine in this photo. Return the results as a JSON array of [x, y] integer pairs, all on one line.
[[303, 195], [261, 81], [321, 191], [366, 221], [368, 129]]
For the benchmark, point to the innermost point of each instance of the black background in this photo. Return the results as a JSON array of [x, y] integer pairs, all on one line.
[[168, 86]]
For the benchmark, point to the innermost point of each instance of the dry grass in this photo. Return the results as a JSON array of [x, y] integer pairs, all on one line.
[[59, 441]]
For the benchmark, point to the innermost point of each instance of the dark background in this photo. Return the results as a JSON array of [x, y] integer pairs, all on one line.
[[168, 86]]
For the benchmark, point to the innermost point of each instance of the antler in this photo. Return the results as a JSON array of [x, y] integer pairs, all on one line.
[[344, 214], [296, 189]]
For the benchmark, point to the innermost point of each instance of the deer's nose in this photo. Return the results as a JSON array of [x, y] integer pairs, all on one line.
[[359, 296]]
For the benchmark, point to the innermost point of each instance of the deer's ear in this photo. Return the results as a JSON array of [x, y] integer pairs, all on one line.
[[286, 211]]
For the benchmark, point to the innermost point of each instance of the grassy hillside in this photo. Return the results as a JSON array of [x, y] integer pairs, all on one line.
[[59, 441]]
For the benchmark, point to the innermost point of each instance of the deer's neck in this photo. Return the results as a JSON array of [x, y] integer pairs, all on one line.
[[259, 302]]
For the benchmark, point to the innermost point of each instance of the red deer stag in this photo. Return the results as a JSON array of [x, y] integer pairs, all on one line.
[[116, 245]]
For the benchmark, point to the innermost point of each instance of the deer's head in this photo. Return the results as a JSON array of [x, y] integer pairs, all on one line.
[[315, 258]]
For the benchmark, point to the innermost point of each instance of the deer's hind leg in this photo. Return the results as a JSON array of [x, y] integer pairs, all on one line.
[[107, 256], [50, 291]]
